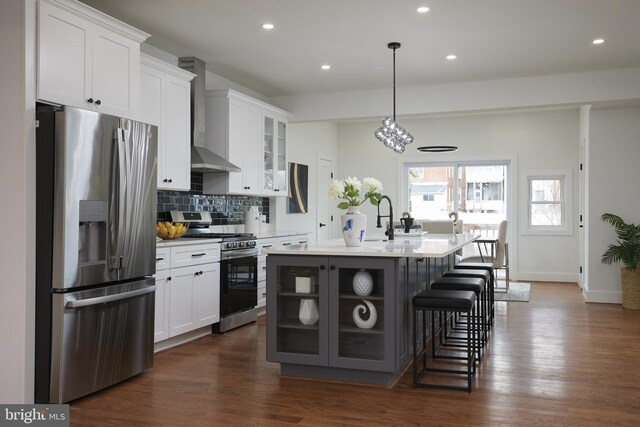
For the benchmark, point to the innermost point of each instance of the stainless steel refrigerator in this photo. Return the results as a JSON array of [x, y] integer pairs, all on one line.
[[95, 251]]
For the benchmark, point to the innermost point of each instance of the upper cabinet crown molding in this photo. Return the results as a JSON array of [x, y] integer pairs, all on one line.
[[99, 18], [163, 66], [232, 93]]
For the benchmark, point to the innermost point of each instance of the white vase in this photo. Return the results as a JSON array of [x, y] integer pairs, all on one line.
[[362, 283], [361, 309], [354, 226], [308, 314]]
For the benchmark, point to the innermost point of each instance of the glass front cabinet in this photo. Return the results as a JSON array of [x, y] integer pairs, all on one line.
[[274, 179], [336, 312]]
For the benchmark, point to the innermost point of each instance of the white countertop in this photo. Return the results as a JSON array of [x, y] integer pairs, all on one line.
[[183, 242], [194, 241], [429, 246]]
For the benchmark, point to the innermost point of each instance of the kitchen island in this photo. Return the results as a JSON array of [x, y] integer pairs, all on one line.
[[344, 313]]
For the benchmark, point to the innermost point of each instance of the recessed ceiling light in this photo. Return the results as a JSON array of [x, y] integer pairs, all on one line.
[[326, 67], [267, 26], [598, 41], [451, 57], [423, 9]]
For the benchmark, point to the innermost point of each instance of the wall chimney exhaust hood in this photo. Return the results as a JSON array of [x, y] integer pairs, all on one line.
[[202, 159]]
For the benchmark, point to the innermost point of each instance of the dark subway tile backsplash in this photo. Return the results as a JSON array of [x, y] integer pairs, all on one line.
[[225, 210]]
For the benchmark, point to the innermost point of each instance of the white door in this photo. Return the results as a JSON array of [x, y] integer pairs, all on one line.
[[324, 207], [182, 314], [206, 293], [161, 323]]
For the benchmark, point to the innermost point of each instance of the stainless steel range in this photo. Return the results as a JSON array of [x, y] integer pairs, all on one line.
[[238, 270]]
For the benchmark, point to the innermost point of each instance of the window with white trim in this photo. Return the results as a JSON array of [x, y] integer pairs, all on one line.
[[548, 202]]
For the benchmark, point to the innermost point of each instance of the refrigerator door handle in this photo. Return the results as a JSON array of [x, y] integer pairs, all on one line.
[[109, 298], [118, 194]]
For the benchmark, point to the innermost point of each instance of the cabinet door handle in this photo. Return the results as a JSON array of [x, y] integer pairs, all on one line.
[[323, 225], [90, 100], [286, 244], [276, 189], [159, 259], [322, 267], [264, 294], [264, 268], [195, 255], [267, 246], [169, 279], [98, 102], [333, 267]]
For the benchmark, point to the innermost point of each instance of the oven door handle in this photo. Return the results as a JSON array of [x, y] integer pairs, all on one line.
[[108, 298], [225, 255]]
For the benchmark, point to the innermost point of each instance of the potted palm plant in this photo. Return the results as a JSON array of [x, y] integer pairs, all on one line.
[[627, 252]]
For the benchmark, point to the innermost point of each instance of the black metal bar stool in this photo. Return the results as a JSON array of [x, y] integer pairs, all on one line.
[[487, 266], [441, 301], [480, 273], [477, 286]]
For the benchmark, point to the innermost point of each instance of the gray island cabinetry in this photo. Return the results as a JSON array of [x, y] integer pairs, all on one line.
[[318, 326]]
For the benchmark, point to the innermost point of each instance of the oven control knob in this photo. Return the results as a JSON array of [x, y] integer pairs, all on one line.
[[251, 244], [241, 244], [231, 245]]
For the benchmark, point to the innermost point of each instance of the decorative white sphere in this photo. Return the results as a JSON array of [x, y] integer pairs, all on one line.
[[362, 283]]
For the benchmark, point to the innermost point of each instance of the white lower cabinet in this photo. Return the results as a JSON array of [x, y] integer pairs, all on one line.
[[161, 325], [262, 269], [188, 293], [282, 241]]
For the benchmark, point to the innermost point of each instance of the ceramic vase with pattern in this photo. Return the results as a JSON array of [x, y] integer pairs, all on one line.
[[362, 283], [354, 227]]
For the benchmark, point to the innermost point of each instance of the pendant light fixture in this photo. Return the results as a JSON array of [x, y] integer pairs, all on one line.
[[390, 133]]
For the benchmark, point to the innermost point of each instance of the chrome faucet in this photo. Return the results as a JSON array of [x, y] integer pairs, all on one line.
[[389, 231]]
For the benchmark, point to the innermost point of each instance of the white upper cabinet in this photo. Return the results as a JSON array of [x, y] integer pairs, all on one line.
[[237, 129], [165, 93], [274, 153], [87, 59]]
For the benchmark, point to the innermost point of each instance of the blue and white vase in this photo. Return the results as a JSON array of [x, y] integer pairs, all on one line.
[[354, 226]]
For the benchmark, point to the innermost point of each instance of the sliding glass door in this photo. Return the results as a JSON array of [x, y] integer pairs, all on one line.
[[477, 192]]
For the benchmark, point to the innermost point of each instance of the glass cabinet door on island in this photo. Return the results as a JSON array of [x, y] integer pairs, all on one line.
[[297, 298], [361, 311]]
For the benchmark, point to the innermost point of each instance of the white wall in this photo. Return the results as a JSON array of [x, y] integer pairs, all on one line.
[[535, 140], [17, 162], [306, 142], [614, 153]]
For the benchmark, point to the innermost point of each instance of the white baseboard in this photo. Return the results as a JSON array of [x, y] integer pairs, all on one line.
[[182, 339], [606, 297], [547, 277]]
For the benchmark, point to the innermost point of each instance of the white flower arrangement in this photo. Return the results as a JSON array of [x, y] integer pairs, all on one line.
[[349, 190]]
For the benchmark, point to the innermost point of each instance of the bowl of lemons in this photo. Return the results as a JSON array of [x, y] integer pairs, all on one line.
[[170, 230]]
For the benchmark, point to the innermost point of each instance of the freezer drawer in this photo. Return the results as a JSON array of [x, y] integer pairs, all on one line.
[[101, 337]]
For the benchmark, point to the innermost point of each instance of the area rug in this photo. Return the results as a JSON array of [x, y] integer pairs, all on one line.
[[517, 292]]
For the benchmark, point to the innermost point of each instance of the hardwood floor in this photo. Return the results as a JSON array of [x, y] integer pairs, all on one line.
[[552, 361]]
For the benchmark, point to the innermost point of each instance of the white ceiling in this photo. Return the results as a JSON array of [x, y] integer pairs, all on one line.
[[493, 39]]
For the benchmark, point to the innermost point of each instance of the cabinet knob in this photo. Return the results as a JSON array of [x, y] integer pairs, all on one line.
[[98, 102], [323, 225], [322, 267], [201, 273], [165, 180], [169, 279], [170, 180], [333, 267], [90, 100], [276, 189]]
